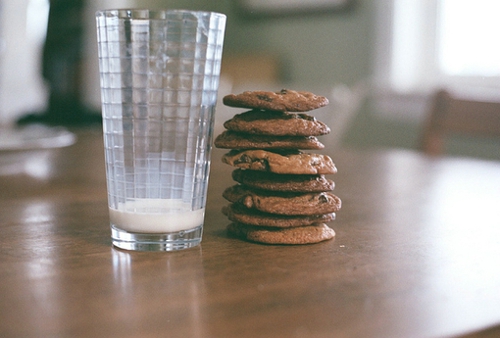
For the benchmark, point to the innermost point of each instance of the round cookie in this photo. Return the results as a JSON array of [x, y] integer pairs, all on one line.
[[282, 182], [239, 214], [233, 140], [276, 123], [291, 162], [283, 203], [309, 234], [284, 100]]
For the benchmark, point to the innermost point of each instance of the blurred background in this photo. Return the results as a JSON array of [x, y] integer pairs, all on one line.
[[378, 61]]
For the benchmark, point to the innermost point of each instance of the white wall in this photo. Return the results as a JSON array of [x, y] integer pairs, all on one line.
[[21, 87]]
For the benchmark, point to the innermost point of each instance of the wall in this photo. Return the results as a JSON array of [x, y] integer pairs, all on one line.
[[21, 87], [318, 49], [321, 50]]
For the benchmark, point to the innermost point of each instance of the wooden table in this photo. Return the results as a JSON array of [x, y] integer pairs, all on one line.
[[417, 254]]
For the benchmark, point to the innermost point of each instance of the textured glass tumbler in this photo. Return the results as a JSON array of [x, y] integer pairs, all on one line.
[[159, 73]]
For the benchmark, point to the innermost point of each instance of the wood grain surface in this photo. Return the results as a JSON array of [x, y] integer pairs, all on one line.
[[417, 254]]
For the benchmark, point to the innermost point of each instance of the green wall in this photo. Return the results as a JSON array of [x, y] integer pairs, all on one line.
[[319, 49]]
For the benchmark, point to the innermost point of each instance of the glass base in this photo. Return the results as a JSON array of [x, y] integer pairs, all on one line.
[[172, 241]]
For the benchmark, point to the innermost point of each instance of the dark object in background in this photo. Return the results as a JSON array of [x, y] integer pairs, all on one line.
[[61, 68]]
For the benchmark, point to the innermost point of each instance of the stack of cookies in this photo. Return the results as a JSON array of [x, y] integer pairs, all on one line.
[[282, 195]]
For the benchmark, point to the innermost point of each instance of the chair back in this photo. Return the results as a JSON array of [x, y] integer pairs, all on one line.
[[450, 114]]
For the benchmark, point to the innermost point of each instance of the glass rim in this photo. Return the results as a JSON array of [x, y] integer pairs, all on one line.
[[151, 14]]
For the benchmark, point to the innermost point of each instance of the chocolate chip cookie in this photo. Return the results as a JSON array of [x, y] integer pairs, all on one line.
[[284, 100], [240, 214], [283, 182], [276, 123], [233, 140], [281, 162], [283, 203], [309, 234]]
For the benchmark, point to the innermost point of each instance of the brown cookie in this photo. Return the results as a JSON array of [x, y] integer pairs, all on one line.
[[283, 203], [283, 182], [240, 214], [309, 234], [292, 162], [276, 123], [284, 100], [233, 140]]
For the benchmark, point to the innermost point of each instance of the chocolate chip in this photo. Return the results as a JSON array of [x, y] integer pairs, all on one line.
[[264, 98], [323, 198], [242, 159], [265, 164]]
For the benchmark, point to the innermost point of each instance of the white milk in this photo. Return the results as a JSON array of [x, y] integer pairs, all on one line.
[[156, 216]]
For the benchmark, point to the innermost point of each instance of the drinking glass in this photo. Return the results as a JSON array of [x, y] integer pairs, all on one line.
[[159, 77]]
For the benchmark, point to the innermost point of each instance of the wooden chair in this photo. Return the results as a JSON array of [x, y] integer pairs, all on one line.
[[460, 116]]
